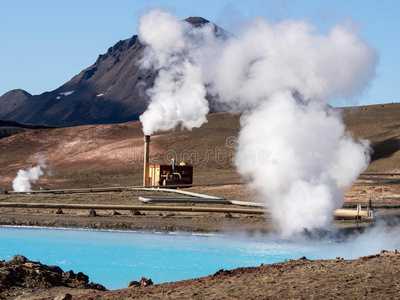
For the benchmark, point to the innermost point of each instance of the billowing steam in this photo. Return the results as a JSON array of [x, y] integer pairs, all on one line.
[[282, 75], [178, 96], [22, 183]]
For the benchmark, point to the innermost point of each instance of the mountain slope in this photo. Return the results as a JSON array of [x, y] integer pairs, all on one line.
[[112, 90], [112, 154], [12, 102], [8, 128]]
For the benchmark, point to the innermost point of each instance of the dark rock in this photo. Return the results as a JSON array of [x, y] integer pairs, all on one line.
[[21, 274], [55, 269], [92, 213], [97, 286], [222, 272], [115, 213], [51, 278], [63, 297], [303, 258], [145, 281], [70, 274], [19, 259], [133, 284], [82, 277], [169, 216]]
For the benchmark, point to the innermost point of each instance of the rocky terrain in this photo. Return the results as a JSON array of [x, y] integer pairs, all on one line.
[[111, 155], [112, 90], [20, 276], [371, 277], [374, 277]]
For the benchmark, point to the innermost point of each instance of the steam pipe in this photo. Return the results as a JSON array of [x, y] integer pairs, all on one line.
[[173, 165], [146, 160]]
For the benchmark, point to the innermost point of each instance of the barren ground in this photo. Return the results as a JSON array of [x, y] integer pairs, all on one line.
[[111, 155], [373, 277]]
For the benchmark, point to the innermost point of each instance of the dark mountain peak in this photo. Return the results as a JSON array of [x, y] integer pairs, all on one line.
[[112, 90], [17, 93], [119, 47], [13, 100], [197, 21]]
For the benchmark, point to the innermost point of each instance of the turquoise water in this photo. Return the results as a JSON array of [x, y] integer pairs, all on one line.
[[113, 258]]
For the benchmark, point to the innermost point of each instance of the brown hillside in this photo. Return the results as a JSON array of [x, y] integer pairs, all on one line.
[[8, 128], [380, 124], [112, 154]]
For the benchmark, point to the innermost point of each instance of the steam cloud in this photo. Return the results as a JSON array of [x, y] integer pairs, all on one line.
[[282, 75], [22, 183]]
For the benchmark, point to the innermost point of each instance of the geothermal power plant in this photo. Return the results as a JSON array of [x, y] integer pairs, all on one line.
[[172, 178], [164, 175]]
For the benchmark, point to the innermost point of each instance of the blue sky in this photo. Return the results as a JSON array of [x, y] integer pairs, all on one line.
[[45, 43]]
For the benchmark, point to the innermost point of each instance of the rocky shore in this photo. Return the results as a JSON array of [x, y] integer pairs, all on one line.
[[369, 277], [20, 276]]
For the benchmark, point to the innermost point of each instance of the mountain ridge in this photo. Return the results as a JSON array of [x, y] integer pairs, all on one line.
[[112, 90]]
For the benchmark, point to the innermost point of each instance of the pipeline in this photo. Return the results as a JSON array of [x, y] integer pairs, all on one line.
[[130, 207], [170, 188], [340, 214], [125, 188], [205, 199]]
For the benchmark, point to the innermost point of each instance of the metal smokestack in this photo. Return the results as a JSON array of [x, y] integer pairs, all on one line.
[[146, 160], [173, 165]]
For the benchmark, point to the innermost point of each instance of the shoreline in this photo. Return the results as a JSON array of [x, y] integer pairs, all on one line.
[[261, 226], [116, 230], [174, 224], [365, 277]]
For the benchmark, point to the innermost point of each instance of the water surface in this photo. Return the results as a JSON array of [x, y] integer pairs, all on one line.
[[113, 258]]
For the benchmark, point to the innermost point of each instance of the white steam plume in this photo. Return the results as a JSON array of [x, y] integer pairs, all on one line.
[[22, 183], [282, 74], [175, 49], [303, 160]]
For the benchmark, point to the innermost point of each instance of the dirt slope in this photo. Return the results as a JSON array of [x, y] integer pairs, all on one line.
[[112, 154], [379, 124]]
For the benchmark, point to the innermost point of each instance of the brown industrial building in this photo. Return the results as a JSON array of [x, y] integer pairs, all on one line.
[[156, 175], [170, 174]]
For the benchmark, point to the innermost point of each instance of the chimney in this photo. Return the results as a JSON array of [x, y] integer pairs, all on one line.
[[173, 165], [146, 160]]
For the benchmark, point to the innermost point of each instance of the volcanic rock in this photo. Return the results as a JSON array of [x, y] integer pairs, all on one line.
[[82, 277], [20, 275], [145, 281], [64, 297], [92, 213], [133, 284], [70, 274]]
